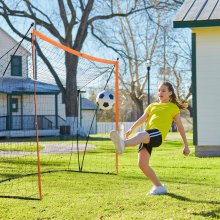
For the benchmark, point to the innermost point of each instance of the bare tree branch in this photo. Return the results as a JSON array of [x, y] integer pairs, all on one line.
[[121, 53], [63, 13], [30, 6], [49, 26], [105, 17], [82, 7], [82, 30], [73, 18]]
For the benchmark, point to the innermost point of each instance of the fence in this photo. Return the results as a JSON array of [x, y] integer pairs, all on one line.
[[106, 127], [103, 127]]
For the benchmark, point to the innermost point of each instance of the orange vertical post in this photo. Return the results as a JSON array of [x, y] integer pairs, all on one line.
[[116, 105], [36, 118]]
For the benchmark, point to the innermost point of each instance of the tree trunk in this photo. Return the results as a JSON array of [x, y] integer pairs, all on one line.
[[139, 105], [71, 95]]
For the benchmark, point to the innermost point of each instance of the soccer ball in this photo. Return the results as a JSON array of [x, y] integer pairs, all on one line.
[[105, 100]]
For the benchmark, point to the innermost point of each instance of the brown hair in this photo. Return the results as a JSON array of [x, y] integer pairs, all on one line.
[[173, 97]]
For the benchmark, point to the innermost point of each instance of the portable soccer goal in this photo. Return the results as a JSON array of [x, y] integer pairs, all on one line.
[[40, 138]]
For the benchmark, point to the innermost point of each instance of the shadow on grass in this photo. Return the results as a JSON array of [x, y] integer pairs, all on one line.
[[59, 138], [184, 167], [19, 197], [179, 181], [182, 198], [211, 214]]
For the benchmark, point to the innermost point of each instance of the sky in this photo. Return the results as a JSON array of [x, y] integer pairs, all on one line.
[[90, 44]]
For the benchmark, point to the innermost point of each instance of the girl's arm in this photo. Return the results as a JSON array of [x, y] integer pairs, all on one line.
[[137, 124], [180, 127]]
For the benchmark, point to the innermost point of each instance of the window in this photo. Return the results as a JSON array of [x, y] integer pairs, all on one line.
[[14, 104], [16, 66]]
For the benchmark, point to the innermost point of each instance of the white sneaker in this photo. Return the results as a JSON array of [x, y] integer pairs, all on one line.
[[118, 142], [158, 190]]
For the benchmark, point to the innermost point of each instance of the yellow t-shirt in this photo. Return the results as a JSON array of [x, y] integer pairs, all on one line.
[[160, 116]]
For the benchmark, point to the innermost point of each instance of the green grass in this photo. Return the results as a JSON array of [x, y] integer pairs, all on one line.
[[193, 184], [19, 147]]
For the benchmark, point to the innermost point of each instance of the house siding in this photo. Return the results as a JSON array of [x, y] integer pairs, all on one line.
[[49, 109], [208, 76], [48, 101], [28, 104], [6, 43], [61, 107], [87, 116]]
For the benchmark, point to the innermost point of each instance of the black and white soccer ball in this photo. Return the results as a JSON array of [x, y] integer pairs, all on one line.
[[105, 100]]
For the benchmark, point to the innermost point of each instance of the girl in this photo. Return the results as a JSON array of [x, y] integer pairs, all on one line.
[[158, 118]]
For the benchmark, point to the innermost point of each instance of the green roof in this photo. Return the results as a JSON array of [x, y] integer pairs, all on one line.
[[198, 13]]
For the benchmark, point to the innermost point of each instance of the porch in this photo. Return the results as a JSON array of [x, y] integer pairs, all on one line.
[[24, 126]]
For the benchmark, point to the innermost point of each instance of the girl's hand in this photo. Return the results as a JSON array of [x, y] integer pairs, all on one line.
[[186, 151], [128, 133]]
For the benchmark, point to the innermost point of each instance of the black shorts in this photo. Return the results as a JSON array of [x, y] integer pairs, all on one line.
[[155, 140]]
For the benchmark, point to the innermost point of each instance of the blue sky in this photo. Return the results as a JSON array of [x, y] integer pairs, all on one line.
[[90, 46]]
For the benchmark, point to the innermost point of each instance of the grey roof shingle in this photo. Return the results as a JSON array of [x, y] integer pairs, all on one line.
[[88, 105], [25, 86], [198, 13]]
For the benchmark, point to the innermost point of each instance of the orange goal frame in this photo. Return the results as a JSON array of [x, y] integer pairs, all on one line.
[[36, 33]]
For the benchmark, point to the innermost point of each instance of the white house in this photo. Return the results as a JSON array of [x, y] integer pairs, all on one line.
[[17, 110], [203, 17]]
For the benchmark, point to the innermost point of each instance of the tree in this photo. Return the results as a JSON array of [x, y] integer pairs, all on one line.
[[177, 61], [73, 22], [139, 46], [136, 39], [76, 18], [174, 58]]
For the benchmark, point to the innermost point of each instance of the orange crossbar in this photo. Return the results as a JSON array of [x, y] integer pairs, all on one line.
[[77, 53]]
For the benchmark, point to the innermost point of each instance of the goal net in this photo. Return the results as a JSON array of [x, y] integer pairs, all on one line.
[[44, 138]]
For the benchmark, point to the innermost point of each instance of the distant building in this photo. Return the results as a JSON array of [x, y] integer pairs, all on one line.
[[17, 115]]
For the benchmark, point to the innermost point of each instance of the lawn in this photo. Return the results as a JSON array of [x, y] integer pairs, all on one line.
[[193, 184]]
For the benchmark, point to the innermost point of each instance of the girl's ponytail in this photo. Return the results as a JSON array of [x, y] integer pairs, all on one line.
[[173, 97]]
